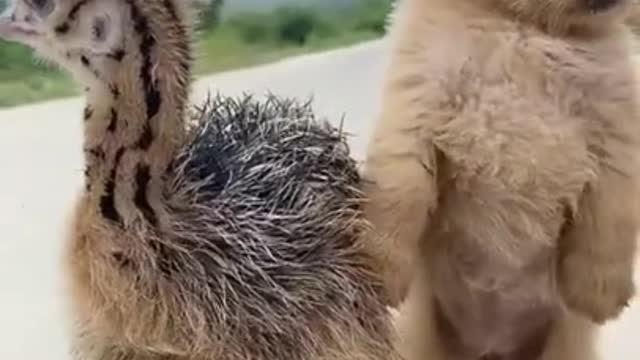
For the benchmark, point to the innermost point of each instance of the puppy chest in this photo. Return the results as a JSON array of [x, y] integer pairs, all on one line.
[[518, 149]]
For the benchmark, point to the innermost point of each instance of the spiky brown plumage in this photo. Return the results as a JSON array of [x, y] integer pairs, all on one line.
[[230, 232], [260, 258]]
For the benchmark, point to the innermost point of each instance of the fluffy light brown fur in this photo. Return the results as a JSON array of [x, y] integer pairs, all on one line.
[[504, 176]]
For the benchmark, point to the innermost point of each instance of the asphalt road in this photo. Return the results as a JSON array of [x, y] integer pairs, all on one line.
[[41, 171]]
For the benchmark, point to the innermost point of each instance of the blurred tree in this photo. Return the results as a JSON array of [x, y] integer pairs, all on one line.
[[253, 27], [295, 24], [374, 14], [209, 13]]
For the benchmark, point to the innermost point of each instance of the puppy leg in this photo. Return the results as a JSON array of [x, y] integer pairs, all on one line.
[[597, 252], [571, 338], [400, 187], [418, 337]]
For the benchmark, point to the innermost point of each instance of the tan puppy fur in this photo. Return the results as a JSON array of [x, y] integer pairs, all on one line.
[[504, 175]]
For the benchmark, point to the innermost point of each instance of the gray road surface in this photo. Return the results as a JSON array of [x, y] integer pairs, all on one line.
[[41, 171]]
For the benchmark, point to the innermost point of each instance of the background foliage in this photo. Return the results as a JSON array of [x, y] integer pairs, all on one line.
[[246, 36]]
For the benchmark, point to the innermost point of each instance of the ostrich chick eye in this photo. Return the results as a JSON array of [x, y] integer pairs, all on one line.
[[39, 3], [99, 29], [43, 7]]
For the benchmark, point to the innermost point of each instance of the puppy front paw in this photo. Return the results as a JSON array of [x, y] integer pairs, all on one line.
[[593, 289], [397, 271], [397, 282]]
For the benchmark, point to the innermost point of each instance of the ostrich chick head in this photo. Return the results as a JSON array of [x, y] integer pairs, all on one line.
[[87, 38]]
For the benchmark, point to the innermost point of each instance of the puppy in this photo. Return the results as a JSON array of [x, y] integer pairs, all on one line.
[[503, 176]]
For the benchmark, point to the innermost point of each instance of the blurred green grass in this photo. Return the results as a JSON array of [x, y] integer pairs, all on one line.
[[240, 40]]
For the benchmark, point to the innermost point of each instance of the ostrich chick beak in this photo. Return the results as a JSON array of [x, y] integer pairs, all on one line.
[[12, 29]]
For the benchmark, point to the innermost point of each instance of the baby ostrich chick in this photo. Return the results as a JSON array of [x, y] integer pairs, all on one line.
[[232, 236], [505, 176]]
